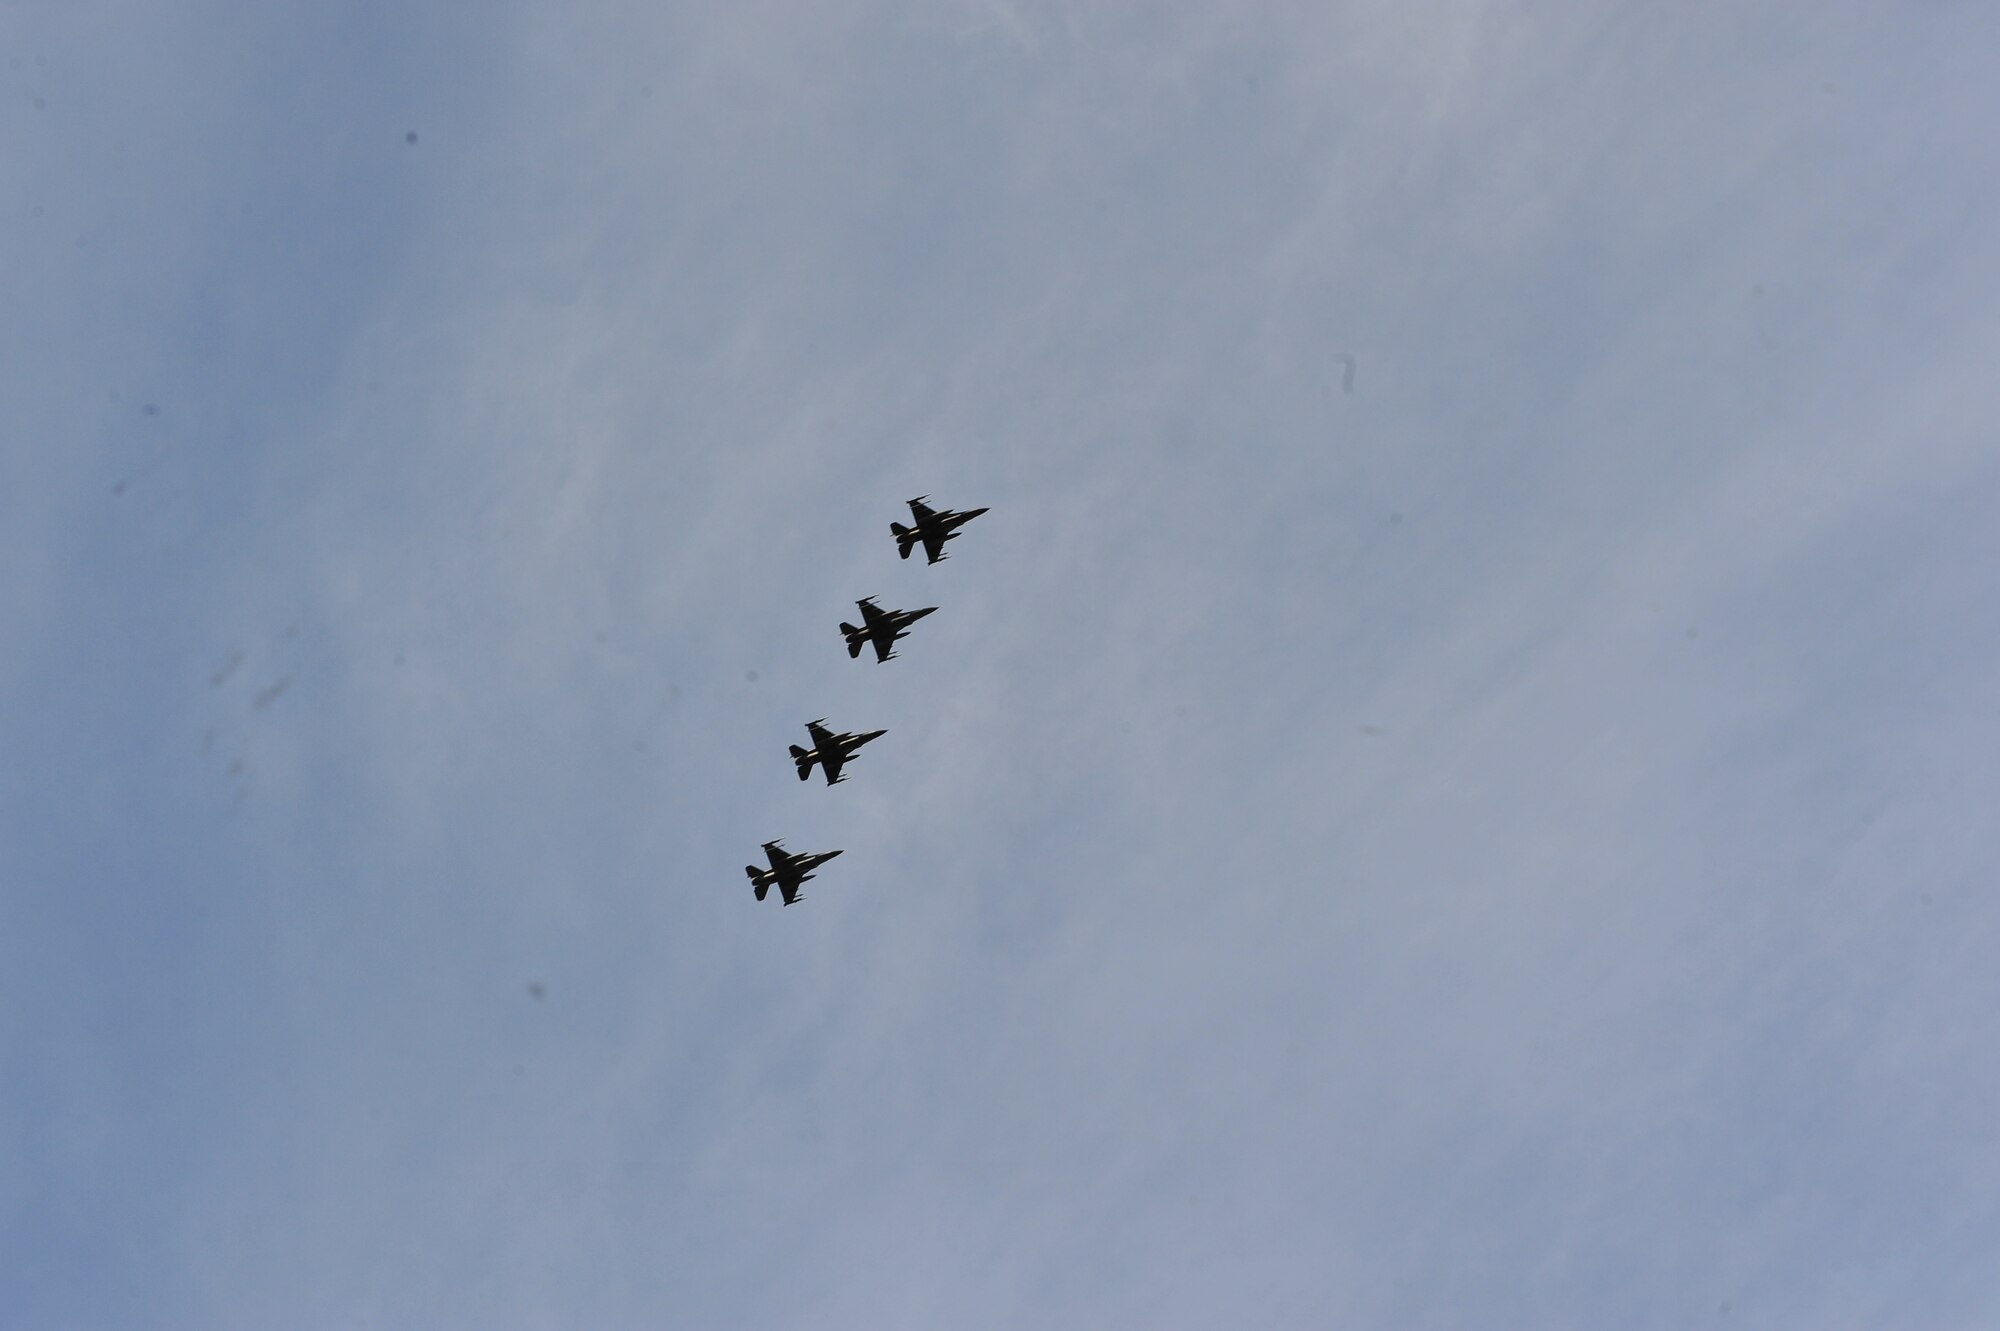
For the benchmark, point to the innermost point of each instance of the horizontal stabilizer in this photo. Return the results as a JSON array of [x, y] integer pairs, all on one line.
[[854, 638], [804, 760], [905, 538]]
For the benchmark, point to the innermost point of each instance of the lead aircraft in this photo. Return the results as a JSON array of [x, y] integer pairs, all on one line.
[[932, 526]]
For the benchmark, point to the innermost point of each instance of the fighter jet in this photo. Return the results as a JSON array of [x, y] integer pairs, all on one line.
[[829, 750], [881, 627], [787, 871], [932, 528]]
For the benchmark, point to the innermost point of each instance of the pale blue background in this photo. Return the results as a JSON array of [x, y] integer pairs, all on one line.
[[1508, 843]]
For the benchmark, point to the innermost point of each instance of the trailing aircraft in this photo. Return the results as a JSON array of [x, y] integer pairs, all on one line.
[[829, 750], [880, 627], [787, 871], [932, 527]]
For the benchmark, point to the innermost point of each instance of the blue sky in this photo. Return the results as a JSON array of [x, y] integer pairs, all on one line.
[[1452, 788]]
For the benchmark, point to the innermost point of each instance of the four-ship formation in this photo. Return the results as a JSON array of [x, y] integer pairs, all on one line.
[[880, 629]]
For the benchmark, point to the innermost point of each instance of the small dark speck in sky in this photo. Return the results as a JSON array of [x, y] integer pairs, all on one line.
[[1395, 519], [410, 137], [151, 409], [750, 676], [270, 695], [536, 991], [118, 489]]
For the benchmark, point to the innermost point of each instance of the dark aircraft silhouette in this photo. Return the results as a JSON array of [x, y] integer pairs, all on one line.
[[881, 627], [787, 871], [932, 528], [829, 750]]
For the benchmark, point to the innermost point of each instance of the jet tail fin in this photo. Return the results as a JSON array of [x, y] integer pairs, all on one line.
[[854, 638], [804, 760], [905, 538]]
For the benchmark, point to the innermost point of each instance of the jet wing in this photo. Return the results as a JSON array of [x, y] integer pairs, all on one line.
[[830, 761], [822, 738], [920, 511], [933, 538], [884, 639], [790, 892]]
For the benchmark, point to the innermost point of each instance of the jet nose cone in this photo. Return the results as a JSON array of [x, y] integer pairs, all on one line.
[[919, 614], [835, 854], [975, 512]]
